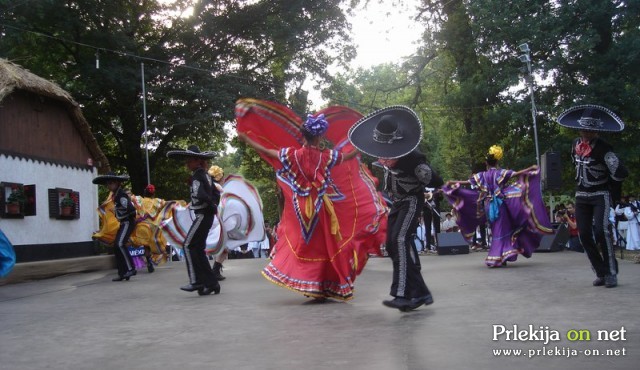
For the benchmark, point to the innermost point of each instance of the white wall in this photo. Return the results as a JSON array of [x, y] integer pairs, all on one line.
[[40, 229]]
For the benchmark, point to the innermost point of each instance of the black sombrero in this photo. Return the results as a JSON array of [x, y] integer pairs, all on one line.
[[390, 132], [591, 118], [104, 179], [192, 151]]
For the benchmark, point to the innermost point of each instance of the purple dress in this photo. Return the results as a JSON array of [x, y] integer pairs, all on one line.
[[515, 211]]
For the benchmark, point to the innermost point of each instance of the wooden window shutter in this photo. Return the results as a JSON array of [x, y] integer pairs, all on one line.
[[54, 208], [30, 205], [2, 198], [76, 197]]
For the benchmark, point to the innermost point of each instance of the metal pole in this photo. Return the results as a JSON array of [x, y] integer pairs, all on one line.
[[533, 110], [144, 114]]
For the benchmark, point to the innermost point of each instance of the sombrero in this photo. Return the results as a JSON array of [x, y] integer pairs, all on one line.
[[390, 132], [591, 118], [192, 151], [104, 179]]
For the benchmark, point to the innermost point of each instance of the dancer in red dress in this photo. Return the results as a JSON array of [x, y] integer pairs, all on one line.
[[325, 235]]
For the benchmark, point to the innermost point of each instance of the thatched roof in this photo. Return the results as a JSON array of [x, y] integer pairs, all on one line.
[[13, 77]]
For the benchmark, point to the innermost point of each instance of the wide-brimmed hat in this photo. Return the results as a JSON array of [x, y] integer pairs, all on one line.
[[390, 132], [192, 152], [110, 176], [591, 118]]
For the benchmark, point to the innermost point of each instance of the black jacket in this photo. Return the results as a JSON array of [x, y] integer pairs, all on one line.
[[410, 176], [124, 209], [204, 195], [602, 170]]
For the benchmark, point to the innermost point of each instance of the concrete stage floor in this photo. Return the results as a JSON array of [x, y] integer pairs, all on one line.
[[86, 321]]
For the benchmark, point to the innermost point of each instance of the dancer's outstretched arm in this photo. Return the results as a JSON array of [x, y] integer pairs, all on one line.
[[451, 182], [352, 154], [272, 153], [530, 168]]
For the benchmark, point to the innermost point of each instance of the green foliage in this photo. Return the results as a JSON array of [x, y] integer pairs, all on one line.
[[263, 177], [582, 52], [470, 89], [232, 50], [267, 190], [465, 79], [172, 180]]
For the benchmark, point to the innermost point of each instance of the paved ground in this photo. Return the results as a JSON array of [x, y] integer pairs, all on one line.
[[85, 321]]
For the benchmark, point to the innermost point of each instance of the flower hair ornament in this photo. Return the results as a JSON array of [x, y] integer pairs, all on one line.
[[150, 189], [216, 173], [496, 152], [315, 126]]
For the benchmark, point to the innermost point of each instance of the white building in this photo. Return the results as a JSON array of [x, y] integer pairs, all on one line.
[[48, 153]]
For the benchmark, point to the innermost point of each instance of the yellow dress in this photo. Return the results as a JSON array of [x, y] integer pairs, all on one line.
[[150, 213]]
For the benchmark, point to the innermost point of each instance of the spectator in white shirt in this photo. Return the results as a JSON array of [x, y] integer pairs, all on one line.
[[449, 224]]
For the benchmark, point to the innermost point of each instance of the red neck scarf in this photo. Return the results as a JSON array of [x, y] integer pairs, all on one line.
[[583, 148]]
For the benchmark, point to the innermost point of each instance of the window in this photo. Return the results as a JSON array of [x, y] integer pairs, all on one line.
[[17, 200], [64, 204]]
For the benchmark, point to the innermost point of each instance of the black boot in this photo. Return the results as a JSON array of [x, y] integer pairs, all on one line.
[[150, 267], [217, 269], [215, 289], [191, 287], [129, 274]]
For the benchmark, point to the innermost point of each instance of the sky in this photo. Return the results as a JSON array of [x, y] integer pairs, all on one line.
[[382, 33]]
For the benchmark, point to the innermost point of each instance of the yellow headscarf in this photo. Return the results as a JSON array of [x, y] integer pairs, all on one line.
[[216, 172], [496, 152]]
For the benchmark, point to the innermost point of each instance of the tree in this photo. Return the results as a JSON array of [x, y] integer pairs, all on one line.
[[195, 66], [582, 52], [468, 85]]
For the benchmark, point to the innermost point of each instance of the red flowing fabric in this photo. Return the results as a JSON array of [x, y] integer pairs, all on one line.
[[310, 257]]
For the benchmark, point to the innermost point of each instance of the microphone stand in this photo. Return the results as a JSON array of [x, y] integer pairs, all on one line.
[[432, 207]]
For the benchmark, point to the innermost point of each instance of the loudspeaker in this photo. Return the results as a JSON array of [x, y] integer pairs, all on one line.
[[451, 243], [551, 171], [555, 242]]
